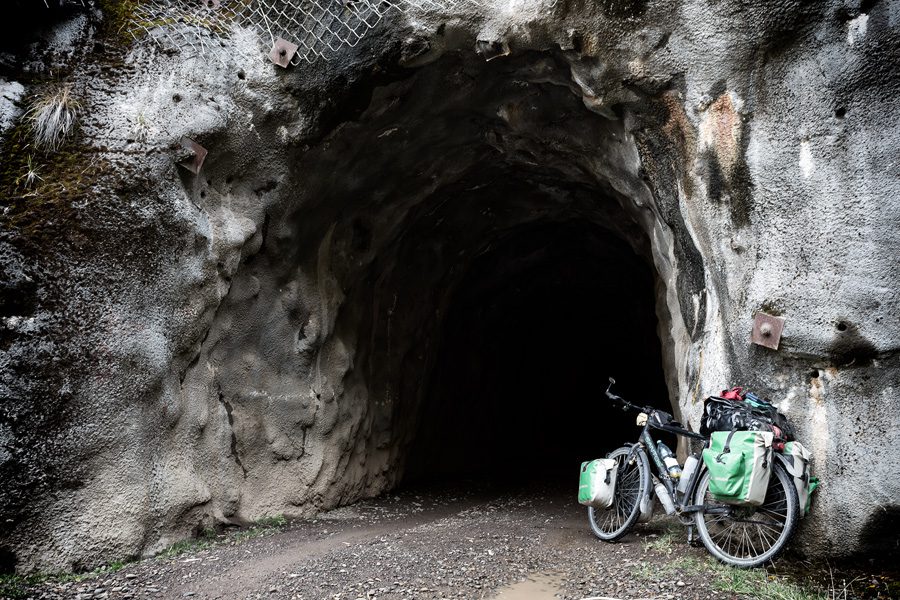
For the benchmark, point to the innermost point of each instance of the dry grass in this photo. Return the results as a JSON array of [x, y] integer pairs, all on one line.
[[30, 177], [53, 117]]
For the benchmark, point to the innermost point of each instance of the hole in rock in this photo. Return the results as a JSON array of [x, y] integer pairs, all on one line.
[[7, 561], [474, 237], [531, 335]]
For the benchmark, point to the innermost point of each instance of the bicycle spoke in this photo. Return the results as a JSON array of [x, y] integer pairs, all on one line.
[[765, 539], [723, 531], [730, 532], [717, 521], [751, 544], [781, 515]]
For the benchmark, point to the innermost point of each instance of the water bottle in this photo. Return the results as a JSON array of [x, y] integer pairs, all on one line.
[[664, 498], [690, 465], [668, 457]]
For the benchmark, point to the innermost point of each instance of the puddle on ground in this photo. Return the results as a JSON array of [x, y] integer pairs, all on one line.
[[538, 586]]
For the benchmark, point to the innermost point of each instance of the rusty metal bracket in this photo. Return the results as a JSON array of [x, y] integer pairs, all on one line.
[[767, 330], [197, 154], [282, 52]]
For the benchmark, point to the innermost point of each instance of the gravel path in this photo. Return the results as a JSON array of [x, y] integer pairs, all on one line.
[[438, 545]]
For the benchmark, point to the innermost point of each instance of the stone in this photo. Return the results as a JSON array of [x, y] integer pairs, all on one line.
[[183, 350], [11, 101]]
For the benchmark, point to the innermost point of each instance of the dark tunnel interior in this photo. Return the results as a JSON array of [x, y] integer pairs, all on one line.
[[492, 243], [534, 330]]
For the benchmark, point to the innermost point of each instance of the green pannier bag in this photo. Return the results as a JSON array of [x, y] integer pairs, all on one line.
[[739, 464], [597, 484], [798, 468]]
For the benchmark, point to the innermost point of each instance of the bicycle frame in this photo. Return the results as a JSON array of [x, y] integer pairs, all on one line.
[[647, 444]]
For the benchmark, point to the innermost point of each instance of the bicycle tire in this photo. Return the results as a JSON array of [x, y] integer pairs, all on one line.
[[732, 540], [632, 482]]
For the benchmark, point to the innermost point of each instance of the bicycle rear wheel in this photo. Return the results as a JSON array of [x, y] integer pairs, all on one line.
[[748, 537], [632, 482]]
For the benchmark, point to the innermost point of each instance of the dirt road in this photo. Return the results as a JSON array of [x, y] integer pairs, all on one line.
[[470, 544]]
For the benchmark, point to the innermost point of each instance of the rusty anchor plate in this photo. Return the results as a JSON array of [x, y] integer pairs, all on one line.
[[198, 154], [282, 52], [767, 330]]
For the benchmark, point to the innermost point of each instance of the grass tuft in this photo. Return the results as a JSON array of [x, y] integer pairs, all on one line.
[[30, 177], [209, 538], [666, 540], [748, 584], [53, 117], [16, 587], [274, 521], [755, 584], [189, 545]]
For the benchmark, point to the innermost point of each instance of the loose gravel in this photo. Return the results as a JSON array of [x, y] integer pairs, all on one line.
[[423, 545]]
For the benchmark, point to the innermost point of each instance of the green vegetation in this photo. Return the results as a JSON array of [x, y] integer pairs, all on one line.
[[189, 545], [758, 583], [667, 540], [749, 584], [271, 522], [117, 17], [126, 20], [208, 538], [38, 188], [15, 587], [261, 527]]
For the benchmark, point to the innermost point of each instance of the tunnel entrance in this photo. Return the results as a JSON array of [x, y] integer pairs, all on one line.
[[532, 333], [463, 267]]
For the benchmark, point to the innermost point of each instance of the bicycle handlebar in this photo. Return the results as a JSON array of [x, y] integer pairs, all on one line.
[[650, 410], [625, 403]]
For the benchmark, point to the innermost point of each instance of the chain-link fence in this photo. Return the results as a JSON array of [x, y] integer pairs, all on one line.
[[316, 27]]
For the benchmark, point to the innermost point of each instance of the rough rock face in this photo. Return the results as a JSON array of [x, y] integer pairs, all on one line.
[[180, 351]]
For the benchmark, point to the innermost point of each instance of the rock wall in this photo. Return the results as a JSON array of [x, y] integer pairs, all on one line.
[[180, 351]]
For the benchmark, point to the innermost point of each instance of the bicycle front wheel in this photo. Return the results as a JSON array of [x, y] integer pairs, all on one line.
[[748, 537], [632, 482]]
